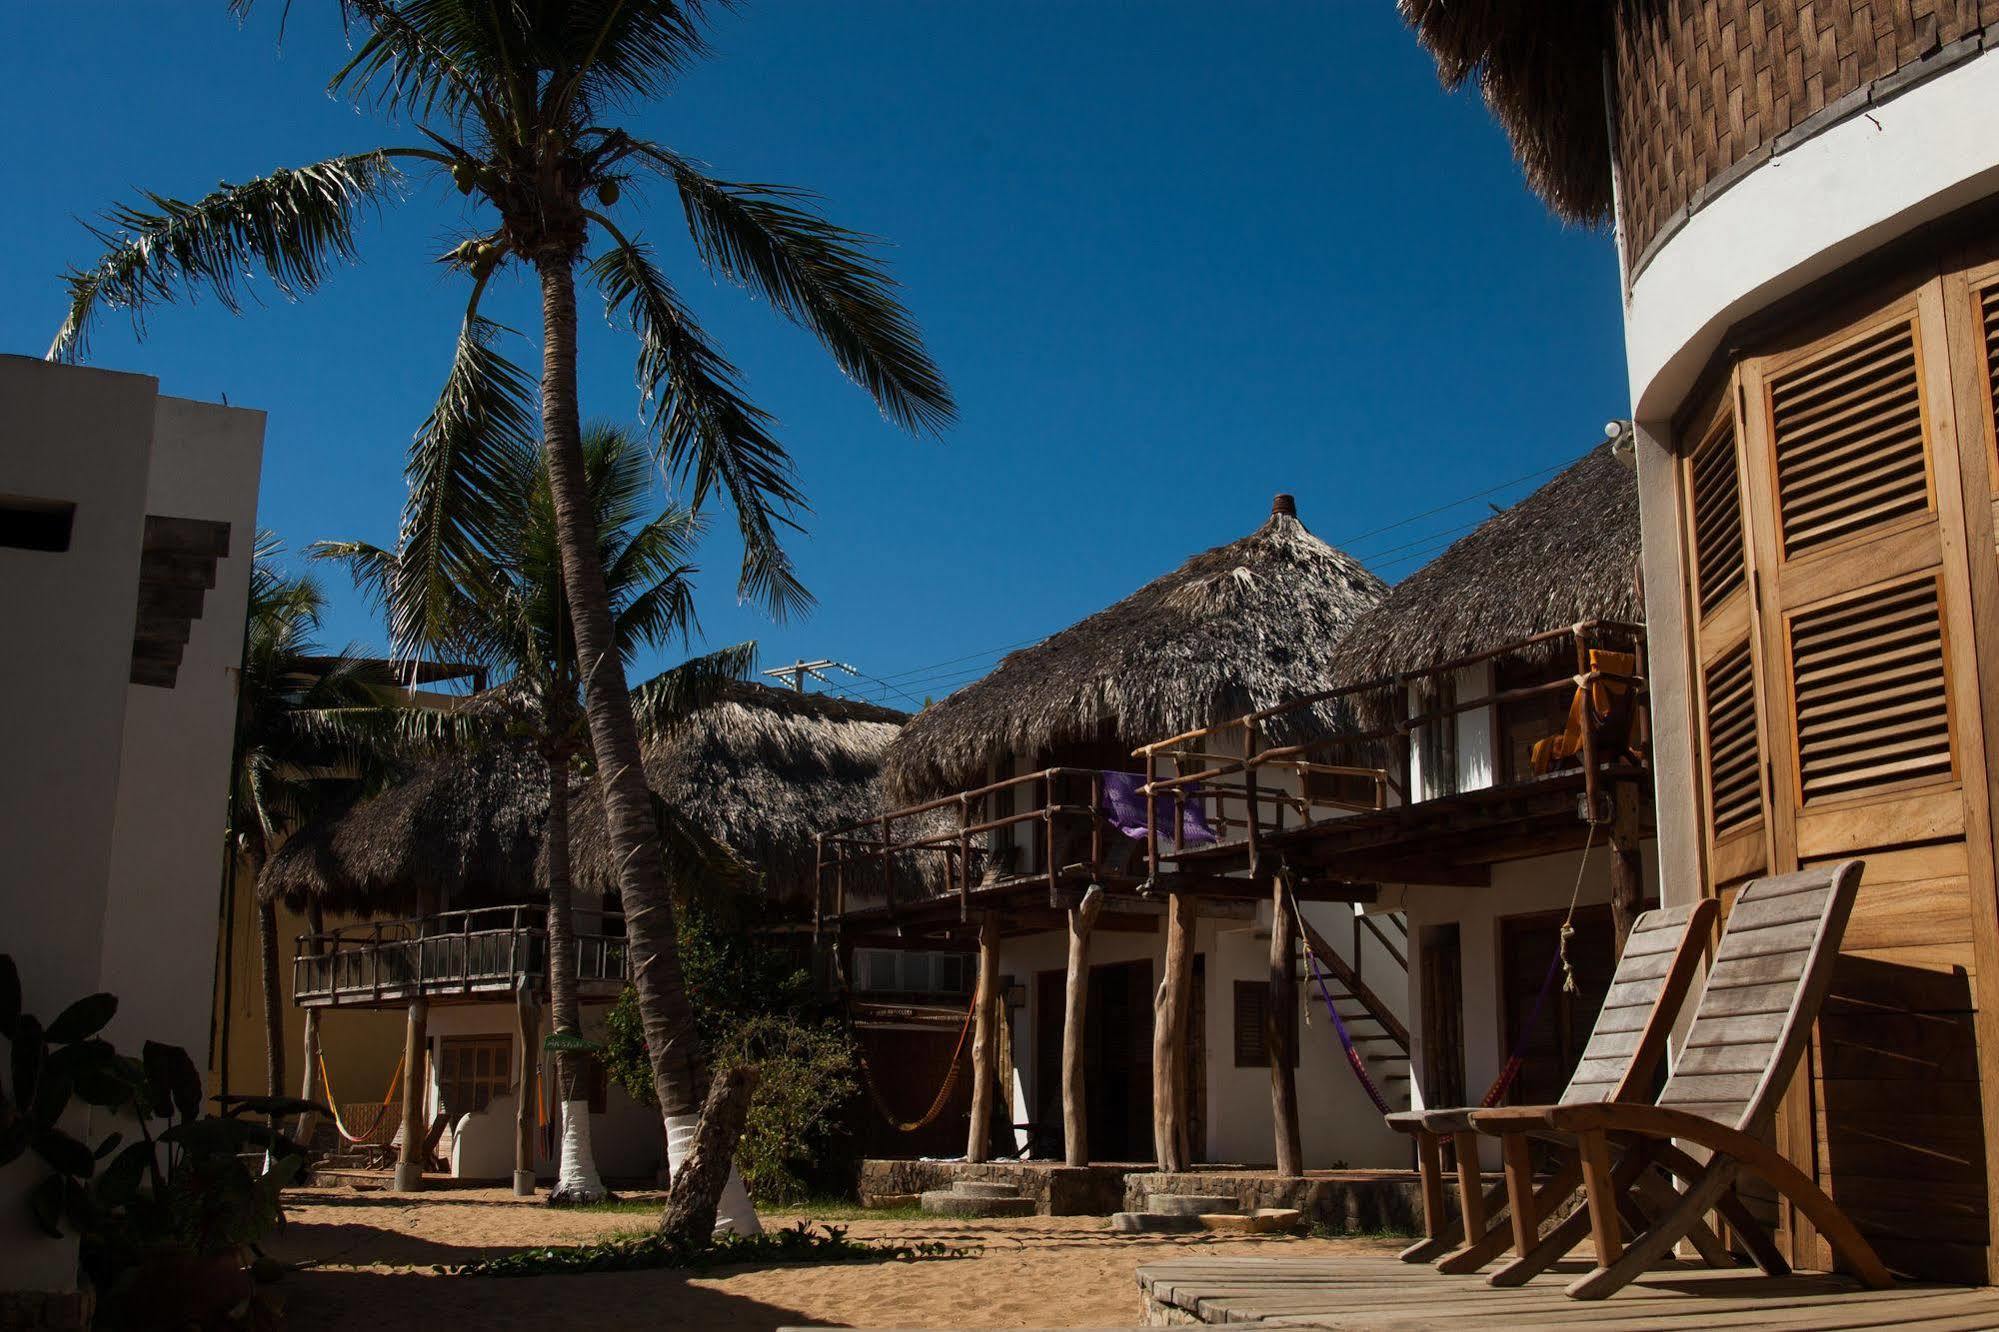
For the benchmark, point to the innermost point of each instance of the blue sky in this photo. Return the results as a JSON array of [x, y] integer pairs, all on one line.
[[1173, 259]]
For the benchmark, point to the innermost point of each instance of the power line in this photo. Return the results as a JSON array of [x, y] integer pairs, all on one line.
[[1416, 517]]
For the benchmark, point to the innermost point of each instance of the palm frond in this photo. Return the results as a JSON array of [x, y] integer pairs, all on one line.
[[704, 426], [624, 50], [468, 468], [674, 695], [293, 226], [422, 56], [769, 239]]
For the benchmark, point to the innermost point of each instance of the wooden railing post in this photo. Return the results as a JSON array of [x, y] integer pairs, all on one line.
[[1151, 819], [1250, 802]]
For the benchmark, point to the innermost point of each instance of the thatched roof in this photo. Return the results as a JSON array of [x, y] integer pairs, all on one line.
[[762, 770], [1241, 627], [467, 830], [1540, 67], [1566, 553]]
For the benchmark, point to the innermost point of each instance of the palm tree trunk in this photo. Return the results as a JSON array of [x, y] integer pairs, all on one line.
[[274, 1013], [679, 1074], [577, 1180]]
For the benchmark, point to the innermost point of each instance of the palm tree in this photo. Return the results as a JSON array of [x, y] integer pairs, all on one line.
[[512, 100], [512, 616], [306, 727]]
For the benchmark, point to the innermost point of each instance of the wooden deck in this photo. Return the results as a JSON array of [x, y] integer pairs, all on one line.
[[1383, 1292]]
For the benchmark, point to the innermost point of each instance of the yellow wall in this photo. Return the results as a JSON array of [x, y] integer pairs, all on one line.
[[362, 1046]]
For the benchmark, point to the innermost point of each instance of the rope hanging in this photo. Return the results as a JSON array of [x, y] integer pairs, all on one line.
[[372, 1135], [938, 1103], [1560, 961]]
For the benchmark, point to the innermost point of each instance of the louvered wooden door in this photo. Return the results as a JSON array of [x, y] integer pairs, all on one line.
[[1858, 628]]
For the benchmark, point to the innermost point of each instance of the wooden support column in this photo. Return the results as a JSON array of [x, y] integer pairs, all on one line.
[[1627, 872], [1169, 1038], [416, 1086], [1278, 1012], [1075, 1012], [528, 1023], [309, 1088], [984, 1013]]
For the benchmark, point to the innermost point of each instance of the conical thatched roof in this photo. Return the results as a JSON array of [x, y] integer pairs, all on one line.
[[1566, 553], [467, 830], [1541, 70], [1237, 628], [762, 770]]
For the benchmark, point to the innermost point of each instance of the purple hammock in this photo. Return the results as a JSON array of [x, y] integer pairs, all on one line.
[[1124, 806]]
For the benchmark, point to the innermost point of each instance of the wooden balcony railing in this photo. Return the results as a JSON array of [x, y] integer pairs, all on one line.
[[484, 951], [1248, 788]]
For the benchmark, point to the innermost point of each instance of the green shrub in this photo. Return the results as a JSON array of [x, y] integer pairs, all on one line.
[[798, 1115]]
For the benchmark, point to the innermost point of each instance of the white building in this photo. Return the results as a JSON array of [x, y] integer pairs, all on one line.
[[127, 522]]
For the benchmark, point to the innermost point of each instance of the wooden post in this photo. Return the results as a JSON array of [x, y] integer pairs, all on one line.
[[416, 1088], [987, 1000], [309, 1088], [1075, 1012], [1169, 1037], [1281, 1006], [1627, 874], [528, 1015]]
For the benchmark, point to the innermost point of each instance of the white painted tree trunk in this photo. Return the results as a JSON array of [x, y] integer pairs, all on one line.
[[577, 1181], [735, 1213]]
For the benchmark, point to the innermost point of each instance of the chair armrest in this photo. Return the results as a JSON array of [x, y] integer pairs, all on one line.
[[1505, 1119]]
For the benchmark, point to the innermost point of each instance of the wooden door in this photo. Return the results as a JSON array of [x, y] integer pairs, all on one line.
[[1839, 715], [1117, 1053]]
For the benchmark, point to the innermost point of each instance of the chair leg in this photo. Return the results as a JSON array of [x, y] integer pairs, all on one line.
[[1661, 1196], [1439, 1234], [1471, 1185], [1593, 1146], [1762, 1249], [1616, 1271], [1491, 1241]]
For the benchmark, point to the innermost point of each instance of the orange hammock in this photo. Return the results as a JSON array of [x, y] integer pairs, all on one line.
[[937, 1103], [381, 1123]]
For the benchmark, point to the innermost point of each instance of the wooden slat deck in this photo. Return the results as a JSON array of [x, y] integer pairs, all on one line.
[[1381, 1292]]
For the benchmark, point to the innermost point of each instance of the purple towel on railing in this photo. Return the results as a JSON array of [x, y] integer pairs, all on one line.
[[1124, 805]]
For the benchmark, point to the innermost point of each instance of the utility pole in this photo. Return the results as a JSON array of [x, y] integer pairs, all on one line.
[[798, 670]]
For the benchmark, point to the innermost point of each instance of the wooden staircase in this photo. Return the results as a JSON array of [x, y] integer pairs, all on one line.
[[1378, 1034]]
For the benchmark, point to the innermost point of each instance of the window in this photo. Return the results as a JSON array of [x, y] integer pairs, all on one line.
[[472, 1070], [899, 971], [1252, 1003], [36, 524]]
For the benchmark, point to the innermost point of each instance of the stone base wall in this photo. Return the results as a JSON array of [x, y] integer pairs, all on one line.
[[1057, 1190], [1364, 1201]]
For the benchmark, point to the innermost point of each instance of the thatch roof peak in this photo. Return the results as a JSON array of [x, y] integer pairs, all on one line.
[[1566, 553], [1236, 628]]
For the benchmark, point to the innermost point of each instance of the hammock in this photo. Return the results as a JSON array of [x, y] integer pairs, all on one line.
[[937, 1103], [381, 1123]]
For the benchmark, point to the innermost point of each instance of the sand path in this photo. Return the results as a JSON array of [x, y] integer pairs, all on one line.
[[372, 1254]]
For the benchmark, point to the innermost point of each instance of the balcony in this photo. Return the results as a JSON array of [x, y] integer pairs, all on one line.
[[1397, 801], [479, 955]]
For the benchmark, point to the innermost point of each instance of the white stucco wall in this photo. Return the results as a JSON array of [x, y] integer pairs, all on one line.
[[111, 805], [1803, 214], [167, 849]]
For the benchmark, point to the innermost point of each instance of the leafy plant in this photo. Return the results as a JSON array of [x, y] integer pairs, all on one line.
[[168, 1223], [801, 1243]]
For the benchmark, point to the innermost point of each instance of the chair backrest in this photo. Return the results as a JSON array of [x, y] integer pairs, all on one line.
[[1645, 994], [1763, 993]]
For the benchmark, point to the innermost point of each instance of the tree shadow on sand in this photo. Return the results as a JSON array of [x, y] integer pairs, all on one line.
[[348, 1298]]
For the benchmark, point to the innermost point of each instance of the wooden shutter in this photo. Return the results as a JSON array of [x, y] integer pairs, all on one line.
[[1717, 517], [1735, 765], [1873, 704], [1848, 432]]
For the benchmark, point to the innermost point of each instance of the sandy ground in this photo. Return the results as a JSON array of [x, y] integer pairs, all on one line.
[[370, 1257]]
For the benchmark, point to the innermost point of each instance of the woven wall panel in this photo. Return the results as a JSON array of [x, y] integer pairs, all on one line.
[[1704, 84]]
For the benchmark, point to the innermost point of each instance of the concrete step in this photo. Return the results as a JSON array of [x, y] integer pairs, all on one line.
[[1154, 1223], [943, 1202], [1191, 1204], [984, 1188]]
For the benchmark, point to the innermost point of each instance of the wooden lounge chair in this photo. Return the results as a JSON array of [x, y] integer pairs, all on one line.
[[1763, 994], [1645, 995]]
